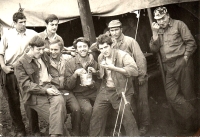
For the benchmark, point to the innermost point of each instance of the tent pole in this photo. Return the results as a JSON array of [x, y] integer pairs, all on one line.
[[158, 54], [86, 20], [162, 70]]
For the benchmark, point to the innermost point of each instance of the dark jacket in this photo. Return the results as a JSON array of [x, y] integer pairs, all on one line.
[[27, 73], [72, 82]]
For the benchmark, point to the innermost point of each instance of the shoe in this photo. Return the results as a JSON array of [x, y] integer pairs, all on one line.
[[20, 134], [143, 130]]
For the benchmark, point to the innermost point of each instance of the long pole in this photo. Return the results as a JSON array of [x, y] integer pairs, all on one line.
[[162, 69], [158, 54], [86, 20]]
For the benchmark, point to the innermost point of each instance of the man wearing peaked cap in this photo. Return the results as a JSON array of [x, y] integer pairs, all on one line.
[[131, 46], [176, 44], [114, 23]]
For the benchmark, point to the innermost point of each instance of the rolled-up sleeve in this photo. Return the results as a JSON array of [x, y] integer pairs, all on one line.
[[139, 59], [3, 45], [130, 66]]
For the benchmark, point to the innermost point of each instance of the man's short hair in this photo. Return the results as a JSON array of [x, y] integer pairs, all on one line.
[[18, 15], [51, 18], [58, 42], [104, 38], [36, 41], [81, 39]]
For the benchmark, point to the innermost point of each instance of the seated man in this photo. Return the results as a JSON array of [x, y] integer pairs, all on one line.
[[116, 69], [74, 68], [57, 70], [32, 75]]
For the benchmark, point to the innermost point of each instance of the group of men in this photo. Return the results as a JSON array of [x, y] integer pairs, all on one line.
[[49, 82]]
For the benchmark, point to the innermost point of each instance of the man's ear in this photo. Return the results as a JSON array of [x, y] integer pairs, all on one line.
[[14, 23]]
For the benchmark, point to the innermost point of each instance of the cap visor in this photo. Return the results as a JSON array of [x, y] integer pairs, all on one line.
[[159, 17]]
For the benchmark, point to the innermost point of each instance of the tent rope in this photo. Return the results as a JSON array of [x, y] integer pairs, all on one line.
[[137, 25]]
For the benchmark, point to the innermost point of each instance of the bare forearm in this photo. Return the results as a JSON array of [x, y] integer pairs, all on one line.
[[120, 70], [2, 63]]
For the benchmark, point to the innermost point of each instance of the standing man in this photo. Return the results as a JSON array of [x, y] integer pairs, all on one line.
[[12, 47], [131, 46], [49, 34], [57, 70], [116, 70], [176, 45], [74, 68], [32, 72]]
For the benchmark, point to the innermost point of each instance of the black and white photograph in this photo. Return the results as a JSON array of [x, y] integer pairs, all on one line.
[[99, 68]]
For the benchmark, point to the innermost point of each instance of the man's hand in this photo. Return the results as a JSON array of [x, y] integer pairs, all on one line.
[[8, 69], [155, 27], [142, 81], [91, 70], [53, 92], [80, 71], [186, 59], [108, 66]]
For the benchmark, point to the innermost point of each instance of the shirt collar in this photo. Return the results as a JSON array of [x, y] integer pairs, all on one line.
[[28, 58], [120, 38], [171, 22], [89, 59], [46, 35], [24, 33]]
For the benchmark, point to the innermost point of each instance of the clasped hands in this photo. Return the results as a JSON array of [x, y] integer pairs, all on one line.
[[80, 71]]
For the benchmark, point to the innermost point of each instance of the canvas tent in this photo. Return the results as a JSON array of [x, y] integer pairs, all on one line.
[[68, 9]]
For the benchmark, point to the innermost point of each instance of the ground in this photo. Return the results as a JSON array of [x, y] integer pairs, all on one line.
[[161, 121]]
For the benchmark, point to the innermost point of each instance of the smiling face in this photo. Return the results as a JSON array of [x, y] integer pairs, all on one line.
[[116, 32], [105, 49], [164, 21], [52, 27], [55, 50], [37, 52], [20, 25], [82, 49]]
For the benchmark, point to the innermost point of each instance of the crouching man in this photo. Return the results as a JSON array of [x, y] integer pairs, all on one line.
[[37, 92], [116, 69]]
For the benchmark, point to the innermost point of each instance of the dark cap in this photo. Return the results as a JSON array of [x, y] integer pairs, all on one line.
[[114, 23], [160, 12]]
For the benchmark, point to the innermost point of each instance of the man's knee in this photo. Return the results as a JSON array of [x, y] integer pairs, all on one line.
[[87, 110], [75, 107], [58, 100]]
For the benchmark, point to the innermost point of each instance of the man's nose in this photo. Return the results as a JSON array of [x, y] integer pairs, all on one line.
[[24, 23]]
